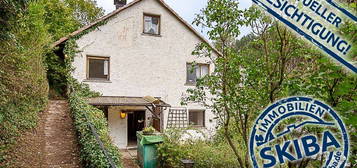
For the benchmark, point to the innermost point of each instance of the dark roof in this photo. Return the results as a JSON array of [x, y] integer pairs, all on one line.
[[124, 101], [63, 39]]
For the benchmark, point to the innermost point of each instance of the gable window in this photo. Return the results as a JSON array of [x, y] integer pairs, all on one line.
[[195, 72], [97, 68], [197, 118], [151, 24]]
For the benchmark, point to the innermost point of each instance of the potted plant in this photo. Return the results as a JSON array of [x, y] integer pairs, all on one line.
[[148, 130]]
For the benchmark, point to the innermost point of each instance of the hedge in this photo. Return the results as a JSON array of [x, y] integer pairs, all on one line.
[[90, 152], [23, 83]]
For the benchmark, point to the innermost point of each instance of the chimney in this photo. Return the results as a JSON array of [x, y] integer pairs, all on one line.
[[119, 3]]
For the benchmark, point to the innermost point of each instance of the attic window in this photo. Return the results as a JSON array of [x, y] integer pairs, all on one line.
[[151, 24], [97, 68]]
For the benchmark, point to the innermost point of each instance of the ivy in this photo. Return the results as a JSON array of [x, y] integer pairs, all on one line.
[[90, 152], [84, 114]]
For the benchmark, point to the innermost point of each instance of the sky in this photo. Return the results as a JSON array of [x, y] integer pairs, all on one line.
[[185, 8]]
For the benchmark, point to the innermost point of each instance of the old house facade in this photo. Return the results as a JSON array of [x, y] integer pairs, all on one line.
[[140, 61]]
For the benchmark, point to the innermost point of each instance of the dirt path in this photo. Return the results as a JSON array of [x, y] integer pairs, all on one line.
[[52, 144], [129, 158], [61, 149]]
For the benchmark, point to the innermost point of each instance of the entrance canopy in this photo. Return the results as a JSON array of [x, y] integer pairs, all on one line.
[[127, 101], [154, 105]]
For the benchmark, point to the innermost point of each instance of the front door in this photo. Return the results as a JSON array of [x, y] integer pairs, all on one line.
[[136, 122]]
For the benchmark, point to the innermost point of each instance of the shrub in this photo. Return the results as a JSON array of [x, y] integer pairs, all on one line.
[[90, 151], [205, 154], [23, 84]]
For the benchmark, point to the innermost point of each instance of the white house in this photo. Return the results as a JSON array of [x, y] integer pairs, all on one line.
[[139, 59]]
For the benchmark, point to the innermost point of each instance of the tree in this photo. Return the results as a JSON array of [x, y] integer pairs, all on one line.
[[63, 18], [249, 74], [85, 11], [223, 19]]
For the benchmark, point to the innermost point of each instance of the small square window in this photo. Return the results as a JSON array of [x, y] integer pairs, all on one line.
[[98, 68], [197, 118], [152, 24], [195, 72]]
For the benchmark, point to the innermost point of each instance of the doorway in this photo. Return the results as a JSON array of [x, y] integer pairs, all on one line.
[[136, 122]]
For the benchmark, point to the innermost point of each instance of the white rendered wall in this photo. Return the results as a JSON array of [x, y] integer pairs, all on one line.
[[141, 65], [118, 128]]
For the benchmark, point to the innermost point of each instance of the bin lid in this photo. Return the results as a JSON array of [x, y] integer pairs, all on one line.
[[149, 139]]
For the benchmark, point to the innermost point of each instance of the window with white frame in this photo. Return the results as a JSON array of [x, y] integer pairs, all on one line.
[[195, 72], [151, 24]]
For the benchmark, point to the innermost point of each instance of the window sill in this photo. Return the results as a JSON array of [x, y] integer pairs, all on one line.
[[154, 35], [97, 81]]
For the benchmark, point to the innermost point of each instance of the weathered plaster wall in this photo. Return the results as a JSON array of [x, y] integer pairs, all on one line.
[[141, 65], [118, 128]]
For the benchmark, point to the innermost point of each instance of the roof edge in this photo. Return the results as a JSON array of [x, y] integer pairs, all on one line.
[[189, 26], [103, 18], [63, 39]]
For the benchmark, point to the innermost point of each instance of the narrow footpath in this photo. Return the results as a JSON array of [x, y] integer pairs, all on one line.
[[61, 148], [129, 158], [53, 144]]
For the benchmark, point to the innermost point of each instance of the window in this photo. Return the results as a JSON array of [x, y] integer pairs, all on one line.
[[98, 68], [151, 24], [197, 118], [196, 72]]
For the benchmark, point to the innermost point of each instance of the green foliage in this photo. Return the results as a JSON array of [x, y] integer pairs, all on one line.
[[85, 11], [205, 154], [84, 114], [81, 89], [334, 85], [23, 84], [223, 18], [91, 153], [30, 27], [226, 90], [27, 30], [349, 30], [328, 81], [267, 65], [63, 18], [9, 11], [59, 18], [149, 130]]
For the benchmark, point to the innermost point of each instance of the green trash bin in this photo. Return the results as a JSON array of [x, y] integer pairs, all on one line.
[[147, 149]]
